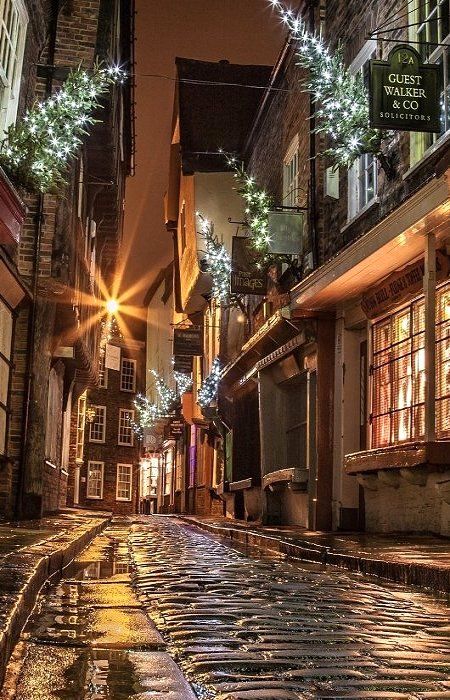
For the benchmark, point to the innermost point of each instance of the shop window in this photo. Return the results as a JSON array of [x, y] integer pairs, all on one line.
[[13, 26], [97, 428], [429, 30], [398, 373], [102, 372], [128, 375], [94, 487], [168, 471], [124, 482], [291, 174], [6, 329], [81, 422], [126, 416], [362, 176]]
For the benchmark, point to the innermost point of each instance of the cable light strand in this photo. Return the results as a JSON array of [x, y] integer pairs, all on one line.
[[38, 149], [209, 388], [343, 111]]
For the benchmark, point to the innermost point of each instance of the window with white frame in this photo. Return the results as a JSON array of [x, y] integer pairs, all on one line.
[[81, 422], [102, 372], [6, 328], [13, 27], [362, 176], [94, 488], [430, 34], [291, 174], [97, 428], [126, 416], [124, 482], [128, 374]]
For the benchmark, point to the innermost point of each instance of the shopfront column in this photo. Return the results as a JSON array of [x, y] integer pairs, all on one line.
[[429, 288]]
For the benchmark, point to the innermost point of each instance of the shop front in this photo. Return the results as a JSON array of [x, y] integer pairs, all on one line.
[[389, 292]]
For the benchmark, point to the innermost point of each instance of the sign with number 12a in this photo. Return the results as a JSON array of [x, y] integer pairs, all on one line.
[[404, 92]]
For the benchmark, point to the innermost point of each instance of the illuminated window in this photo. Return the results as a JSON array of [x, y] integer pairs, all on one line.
[[291, 174], [95, 480], [97, 428], [13, 26], [168, 471], [128, 375], [125, 429], [124, 481], [398, 373], [362, 176], [429, 30], [81, 421], [102, 372]]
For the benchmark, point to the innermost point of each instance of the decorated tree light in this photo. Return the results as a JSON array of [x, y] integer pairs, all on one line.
[[184, 382], [147, 415], [217, 261], [207, 393], [37, 149], [343, 112], [168, 397]]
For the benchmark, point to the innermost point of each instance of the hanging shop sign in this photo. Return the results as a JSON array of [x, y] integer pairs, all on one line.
[[183, 364], [286, 229], [404, 93], [176, 429], [188, 341], [112, 357], [401, 286], [246, 277]]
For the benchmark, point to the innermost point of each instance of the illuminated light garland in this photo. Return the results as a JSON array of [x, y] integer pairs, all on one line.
[[210, 385], [147, 415], [343, 113], [37, 150], [109, 331], [184, 382], [168, 397], [217, 261]]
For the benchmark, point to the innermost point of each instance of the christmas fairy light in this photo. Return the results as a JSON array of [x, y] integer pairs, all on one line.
[[217, 261], [37, 149], [343, 111], [184, 382], [207, 393]]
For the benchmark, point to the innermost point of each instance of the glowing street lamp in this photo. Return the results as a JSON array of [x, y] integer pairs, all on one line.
[[112, 306]]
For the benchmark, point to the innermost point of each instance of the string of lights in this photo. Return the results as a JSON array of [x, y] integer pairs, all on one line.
[[37, 149], [343, 114], [207, 393]]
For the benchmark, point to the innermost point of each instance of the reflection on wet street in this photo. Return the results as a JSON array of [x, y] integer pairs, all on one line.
[[241, 625], [266, 628]]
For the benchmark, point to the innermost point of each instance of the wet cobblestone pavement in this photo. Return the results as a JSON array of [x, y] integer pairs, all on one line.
[[240, 624], [246, 627]]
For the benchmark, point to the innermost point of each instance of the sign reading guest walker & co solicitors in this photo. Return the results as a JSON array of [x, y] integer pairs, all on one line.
[[404, 92]]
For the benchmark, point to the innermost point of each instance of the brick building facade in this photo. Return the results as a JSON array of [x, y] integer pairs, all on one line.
[[106, 453], [65, 245]]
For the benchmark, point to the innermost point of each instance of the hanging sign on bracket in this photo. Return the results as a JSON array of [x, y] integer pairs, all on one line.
[[404, 92]]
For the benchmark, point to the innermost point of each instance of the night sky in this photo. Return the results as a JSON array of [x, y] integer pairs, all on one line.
[[242, 31]]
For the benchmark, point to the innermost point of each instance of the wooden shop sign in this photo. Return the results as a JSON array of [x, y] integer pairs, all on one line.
[[400, 286], [286, 232], [246, 277], [176, 428], [404, 93], [183, 364], [188, 341]]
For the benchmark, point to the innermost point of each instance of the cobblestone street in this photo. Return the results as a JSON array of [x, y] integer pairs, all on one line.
[[239, 624], [268, 628]]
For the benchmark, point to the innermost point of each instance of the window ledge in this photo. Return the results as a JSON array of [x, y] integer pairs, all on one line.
[[404, 455], [370, 205], [440, 143]]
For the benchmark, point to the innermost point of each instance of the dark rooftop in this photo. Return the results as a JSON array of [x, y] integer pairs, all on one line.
[[208, 97]]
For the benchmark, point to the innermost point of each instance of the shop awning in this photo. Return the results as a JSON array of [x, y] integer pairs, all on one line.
[[398, 239], [278, 330]]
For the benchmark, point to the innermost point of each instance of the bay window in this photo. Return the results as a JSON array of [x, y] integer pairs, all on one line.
[[398, 373]]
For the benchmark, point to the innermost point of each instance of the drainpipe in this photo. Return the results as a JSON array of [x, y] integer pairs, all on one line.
[[53, 26]]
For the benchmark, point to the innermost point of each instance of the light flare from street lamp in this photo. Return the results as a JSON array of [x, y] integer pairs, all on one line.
[[112, 306]]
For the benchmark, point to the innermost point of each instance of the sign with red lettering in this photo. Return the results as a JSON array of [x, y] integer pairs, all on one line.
[[404, 93], [400, 286]]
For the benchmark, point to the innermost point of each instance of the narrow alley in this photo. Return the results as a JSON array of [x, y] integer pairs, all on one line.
[[153, 608]]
